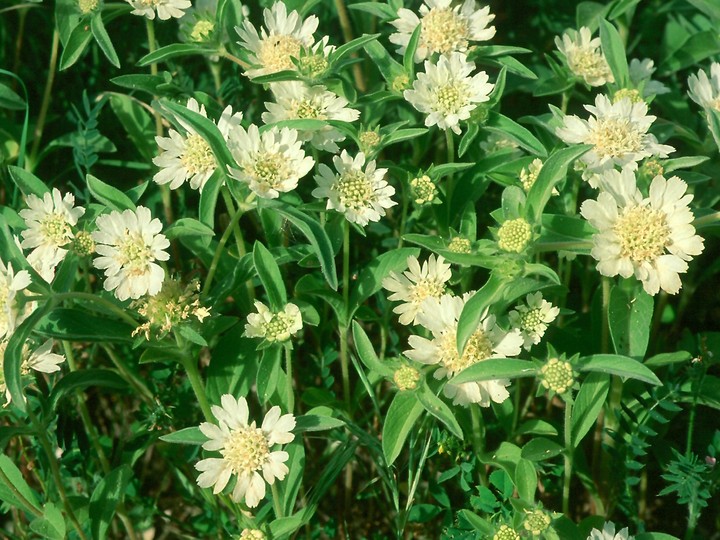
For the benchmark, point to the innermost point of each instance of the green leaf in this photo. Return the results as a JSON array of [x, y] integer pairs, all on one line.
[[438, 171], [630, 318], [495, 368], [389, 68], [655, 536], [614, 51], [526, 480], [474, 310], [409, 56], [553, 171], [352, 46], [79, 380], [540, 449], [316, 422], [10, 100], [400, 135], [479, 524], [623, 366], [468, 138], [79, 325], [51, 525], [404, 411], [15, 484], [381, 11], [173, 51], [536, 426], [665, 359], [137, 123], [75, 46], [188, 227], [27, 182], [190, 435], [111, 197], [106, 497], [505, 126], [268, 373], [366, 352], [270, 276], [208, 198], [588, 404], [439, 409], [143, 82], [103, 40], [278, 76]]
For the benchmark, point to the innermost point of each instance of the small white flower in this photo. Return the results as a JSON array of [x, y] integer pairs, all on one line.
[[41, 359], [246, 450], [188, 158], [271, 326], [652, 237], [529, 175], [270, 163], [619, 133], [608, 533], [166, 9], [445, 29], [641, 75], [11, 315], [49, 227], [129, 243], [286, 35], [415, 285], [447, 93], [584, 56], [362, 195], [704, 90], [532, 318], [441, 316], [295, 100]]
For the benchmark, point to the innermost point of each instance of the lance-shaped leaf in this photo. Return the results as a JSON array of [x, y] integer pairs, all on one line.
[[495, 368], [622, 366]]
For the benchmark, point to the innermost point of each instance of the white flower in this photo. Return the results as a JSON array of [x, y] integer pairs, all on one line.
[[445, 29], [441, 316], [188, 158], [11, 283], [704, 90], [415, 285], [246, 450], [618, 132], [532, 318], [584, 56], [166, 9], [286, 35], [361, 195], [274, 326], [41, 359], [270, 163], [652, 237], [529, 175], [129, 243], [608, 533], [295, 100], [49, 227], [640, 75], [447, 93]]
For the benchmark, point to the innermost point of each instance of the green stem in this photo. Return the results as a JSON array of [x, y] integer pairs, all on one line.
[[111, 306], [478, 440], [198, 387], [348, 36], [605, 321], [289, 373], [277, 503], [47, 96], [41, 433], [569, 454], [706, 221], [541, 247], [136, 382], [345, 324], [218, 251], [239, 240]]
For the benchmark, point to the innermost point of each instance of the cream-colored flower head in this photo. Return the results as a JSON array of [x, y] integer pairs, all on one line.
[[128, 244], [295, 100], [41, 359], [445, 28], [252, 534], [584, 56], [441, 316], [270, 163], [188, 157], [165, 9], [651, 237], [416, 284], [246, 450], [608, 533], [529, 175], [11, 314], [273, 327], [447, 93], [49, 224], [619, 135], [704, 90], [532, 318], [505, 532], [285, 35], [358, 190]]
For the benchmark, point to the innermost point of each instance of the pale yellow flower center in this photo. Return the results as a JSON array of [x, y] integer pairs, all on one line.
[[406, 378], [529, 176], [306, 109], [197, 157], [275, 52], [278, 326], [652, 168], [401, 82], [536, 522], [478, 348], [426, 288], [174, 304], [423, 189], [460, 245], [252, 534], [246, 450], [269, 168], [355, 190], [369, 139], [506, 533], [589, 64], [514, 235], [615, 137], [557, 375], [135, 254], [87, 6], [151, 3], [451, 97], [444, 31], [84, 244], [628, 93], [313, 65], [531, 319], [643, 233], [55, 229], [202, 30], [715, 103]]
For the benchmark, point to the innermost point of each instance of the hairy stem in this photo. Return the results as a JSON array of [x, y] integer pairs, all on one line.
[[569, 452]]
